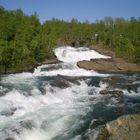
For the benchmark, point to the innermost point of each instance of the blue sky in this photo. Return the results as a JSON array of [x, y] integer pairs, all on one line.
[[80, 9]]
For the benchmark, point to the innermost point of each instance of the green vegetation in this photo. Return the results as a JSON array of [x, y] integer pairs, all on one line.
[[119, 35], [24, 41]]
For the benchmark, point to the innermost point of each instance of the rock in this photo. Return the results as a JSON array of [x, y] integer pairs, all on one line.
[[94, 123], [103, 134], [2, 93], [114, 93], [60, 83], [108, 65], [113, 79], [90, 137], [126, 127], [8, 112], [44, 124], [28, 124], [65, 81], [129, 83], [47, 61], [10, 139]]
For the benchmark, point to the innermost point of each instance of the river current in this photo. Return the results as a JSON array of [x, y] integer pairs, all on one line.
[[61, 101]]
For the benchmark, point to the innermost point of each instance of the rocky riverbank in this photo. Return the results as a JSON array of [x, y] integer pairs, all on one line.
[[126, 127], [114, 64], [30, 68]]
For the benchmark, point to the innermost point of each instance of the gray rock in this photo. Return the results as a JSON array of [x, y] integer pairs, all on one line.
[[126, 127], [94, 123], [28, 124], [114, 93], [10, 139], [7, 113], [61, 83]]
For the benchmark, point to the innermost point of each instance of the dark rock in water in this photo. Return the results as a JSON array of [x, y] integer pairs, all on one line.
[[7, 113], [27, 124], [60, 83], [10, 139], [65, 81], [126, 127], [44, 124], [74, 80], [129, 82], [94, 123], [114, 93], [2, 93], [114, 81]]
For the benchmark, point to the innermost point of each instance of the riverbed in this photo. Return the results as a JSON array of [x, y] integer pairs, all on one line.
[[62, 101]]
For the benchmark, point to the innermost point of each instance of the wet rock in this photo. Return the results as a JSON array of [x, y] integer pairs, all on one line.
[[2, 93], [44, 124], [126, 127], [74, 80], [27, 124], [114, 81], [65, 81], [114, 93], [113, 78], [10, 139], [128, 82], [91, 135], [103, 134], [7, 113], [47, 61], [94, 123], [60, 83]]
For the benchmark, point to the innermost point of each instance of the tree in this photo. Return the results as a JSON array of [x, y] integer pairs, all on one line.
[[108, 20]]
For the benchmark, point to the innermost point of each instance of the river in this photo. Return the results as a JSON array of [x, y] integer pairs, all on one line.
[[61, 101]]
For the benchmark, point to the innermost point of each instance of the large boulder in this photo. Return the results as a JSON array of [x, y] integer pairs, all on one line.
[[126, 127], [108, 65]]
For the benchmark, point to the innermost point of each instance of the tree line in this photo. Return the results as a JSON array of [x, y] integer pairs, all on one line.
[[120, 35], [25, 41]]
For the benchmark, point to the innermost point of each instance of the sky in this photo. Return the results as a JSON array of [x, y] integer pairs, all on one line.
[[82, 10]]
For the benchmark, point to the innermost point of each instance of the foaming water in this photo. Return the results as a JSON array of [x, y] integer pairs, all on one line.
[[50, 115], [72, 70], [61, 101], [70, 56]]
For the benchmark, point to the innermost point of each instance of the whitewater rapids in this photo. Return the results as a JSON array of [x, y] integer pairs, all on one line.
[[59, 101], [69, 56]]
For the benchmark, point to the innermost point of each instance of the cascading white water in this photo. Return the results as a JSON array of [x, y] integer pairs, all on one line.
[[70, 56], [44, 106]]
